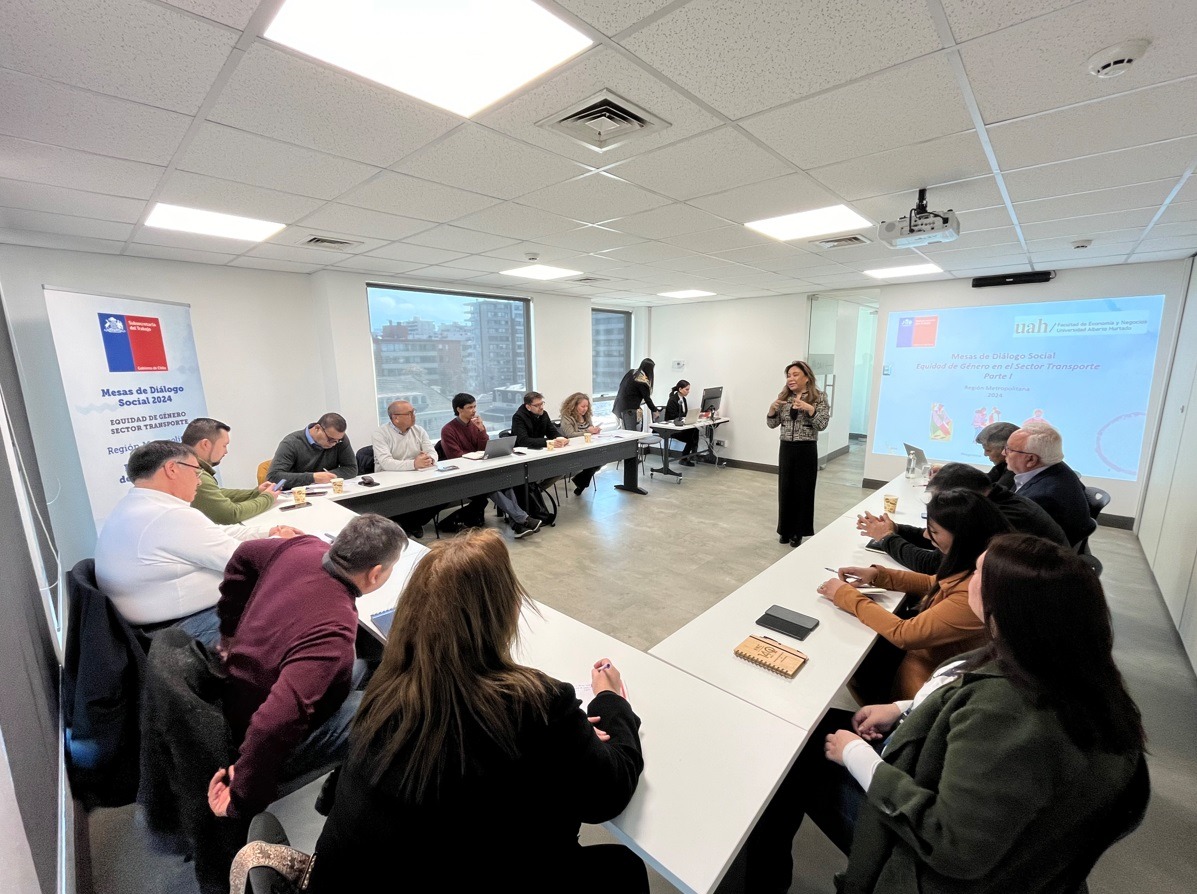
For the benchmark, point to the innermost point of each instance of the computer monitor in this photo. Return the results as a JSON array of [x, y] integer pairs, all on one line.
[[710, 399]]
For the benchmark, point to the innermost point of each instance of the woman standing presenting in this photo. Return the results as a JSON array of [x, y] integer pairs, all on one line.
[[676, 408], [801, 412]]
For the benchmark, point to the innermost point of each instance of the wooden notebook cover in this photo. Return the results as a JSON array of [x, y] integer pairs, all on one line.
[[771, 655]]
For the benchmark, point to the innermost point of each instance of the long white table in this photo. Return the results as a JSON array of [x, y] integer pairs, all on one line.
[[712, 761], [666, 430]]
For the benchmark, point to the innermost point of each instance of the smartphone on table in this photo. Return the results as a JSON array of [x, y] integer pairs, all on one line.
[[788, 621]]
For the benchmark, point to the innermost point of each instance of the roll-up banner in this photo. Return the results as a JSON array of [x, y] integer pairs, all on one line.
[[130, 373]]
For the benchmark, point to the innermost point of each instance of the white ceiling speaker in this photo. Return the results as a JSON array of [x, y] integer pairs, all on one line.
[[1116, 60]]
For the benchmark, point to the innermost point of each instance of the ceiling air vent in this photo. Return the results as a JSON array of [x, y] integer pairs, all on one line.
[[603, 122], [841, 241], [589, 279], [329, 243]]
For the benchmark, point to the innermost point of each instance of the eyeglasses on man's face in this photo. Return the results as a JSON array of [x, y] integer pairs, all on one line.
[[192, 466], [332, 442], [1006, 451]]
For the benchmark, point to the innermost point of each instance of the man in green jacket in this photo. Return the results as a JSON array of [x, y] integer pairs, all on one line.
[[209, 438]]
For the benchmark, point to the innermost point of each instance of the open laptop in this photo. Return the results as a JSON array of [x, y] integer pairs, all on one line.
[[920, 457], [689, 419]]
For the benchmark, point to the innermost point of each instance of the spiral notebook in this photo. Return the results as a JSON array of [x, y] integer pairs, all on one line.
[[771, 655]]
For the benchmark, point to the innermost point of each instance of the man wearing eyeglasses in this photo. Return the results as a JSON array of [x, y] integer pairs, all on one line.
[[159, 559], [314, 455], [402, 446], [1035, 454]]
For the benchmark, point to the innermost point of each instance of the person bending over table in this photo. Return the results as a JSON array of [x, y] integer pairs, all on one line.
[[992, 439], [577, 421], [402, 446], [960, 524], [314, 455], [635, 388], [477, 769], [466, 434], [1012, 769], [801, 412], [288, 623], [676, 408]]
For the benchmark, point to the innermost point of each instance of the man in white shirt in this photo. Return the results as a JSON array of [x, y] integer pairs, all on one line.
[[159, 560], [403, 446]]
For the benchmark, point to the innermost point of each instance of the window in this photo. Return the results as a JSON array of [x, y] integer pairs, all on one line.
[[430, 345], [611, 338]]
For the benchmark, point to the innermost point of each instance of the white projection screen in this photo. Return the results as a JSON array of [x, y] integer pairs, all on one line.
[[1084, 366]]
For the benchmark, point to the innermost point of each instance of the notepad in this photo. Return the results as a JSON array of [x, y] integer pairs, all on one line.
[[771, 655]]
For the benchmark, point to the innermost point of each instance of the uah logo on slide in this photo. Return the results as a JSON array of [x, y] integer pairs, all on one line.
[[133, 344]]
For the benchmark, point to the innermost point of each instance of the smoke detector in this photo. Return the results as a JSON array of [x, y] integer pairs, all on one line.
[[1082, 244], [1117, 60]]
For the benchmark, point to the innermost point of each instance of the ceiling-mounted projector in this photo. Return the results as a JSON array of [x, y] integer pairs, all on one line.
[[919, 226]]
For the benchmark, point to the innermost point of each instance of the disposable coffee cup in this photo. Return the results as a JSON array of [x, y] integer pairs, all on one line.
[[338, 485], [891, 502], [549, 445], [300, 495], [586, 437]]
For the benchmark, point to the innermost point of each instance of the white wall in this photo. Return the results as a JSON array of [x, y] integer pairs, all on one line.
[[866, 337], [743, 345], [275, 351], [1169, 279]]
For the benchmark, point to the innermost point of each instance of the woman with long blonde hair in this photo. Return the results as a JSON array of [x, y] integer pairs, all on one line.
[[801, 412], [577, 420], [468, 767]]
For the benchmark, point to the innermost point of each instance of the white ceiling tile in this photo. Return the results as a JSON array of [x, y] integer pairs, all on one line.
[[613, 16], [763, 53], [1105, 252], [234, 13], [1148, 256], [415, 254], [972, 18], [1109, 237], [212, 194], [599, 69], [1177, 228], [1100, 201], [55, 166], [57, 200], [128, 48], [967, 261], [46, 112], [300, 255], [174, 239], [593, 199], [191, 255], [457, 239], [590, 238], [517, 221], [1188, 192], [1140, 164], [411, 197], [973, 239], [695, 263], [232, 154], [861, 257], [669, 220], [963, 195], [1178, 211], [1082, 227], [1130, 119], [39, 221], [363, 222], [772, 198], [723, 239], [770, 251], [57, 240], [957, 258], [279, 95], [645, 252], [983, 219], [476, 158], [844, 279], [369, 264], [942, 160], [893, 108], [802, 272], [711, 162], [475, 264], [443, 274], [546, 254], [1040, 65], [1168, 243], [280, 265]]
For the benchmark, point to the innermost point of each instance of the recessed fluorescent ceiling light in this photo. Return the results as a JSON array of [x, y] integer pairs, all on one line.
[[895, 272], [541, 271], [211, 223], [686, 293], [460, 55], [805, 224]]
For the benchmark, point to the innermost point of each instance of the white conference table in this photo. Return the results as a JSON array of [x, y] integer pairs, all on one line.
[[666, 430], [835, 648], [712, 761]]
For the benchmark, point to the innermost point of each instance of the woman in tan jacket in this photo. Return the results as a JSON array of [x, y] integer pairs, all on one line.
[[960, 523]]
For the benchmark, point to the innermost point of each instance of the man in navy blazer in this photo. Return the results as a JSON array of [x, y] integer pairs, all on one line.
[[1035, 454]]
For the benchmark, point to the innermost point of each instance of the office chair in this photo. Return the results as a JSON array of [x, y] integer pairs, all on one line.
[[1098, 500], [365, 460], [1111, 826], [263, 468]]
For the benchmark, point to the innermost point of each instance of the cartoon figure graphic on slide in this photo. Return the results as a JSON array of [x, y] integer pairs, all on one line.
[[941, 423]]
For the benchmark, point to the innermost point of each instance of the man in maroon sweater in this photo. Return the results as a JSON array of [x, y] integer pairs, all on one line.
[[465, 434], [288, 622]]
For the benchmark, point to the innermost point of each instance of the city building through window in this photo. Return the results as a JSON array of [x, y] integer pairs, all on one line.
[[611, 337]]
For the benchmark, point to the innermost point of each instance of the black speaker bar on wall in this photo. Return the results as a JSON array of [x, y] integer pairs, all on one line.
[[1013, 279]]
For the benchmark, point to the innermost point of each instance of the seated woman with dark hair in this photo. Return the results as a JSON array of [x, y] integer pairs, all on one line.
[[468, 771], [960, 524], [676, 408], [1012, 769]]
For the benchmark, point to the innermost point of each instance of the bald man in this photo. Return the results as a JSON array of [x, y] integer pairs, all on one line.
[[403, 446]]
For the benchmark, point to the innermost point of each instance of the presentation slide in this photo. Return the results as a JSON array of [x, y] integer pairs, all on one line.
[[1085, 367]]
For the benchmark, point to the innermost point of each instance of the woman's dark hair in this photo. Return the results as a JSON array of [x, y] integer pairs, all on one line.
[[1050, 623], [681, 383], [647, 366], [972, 520]]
